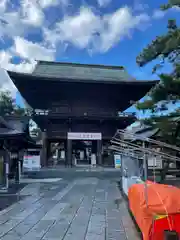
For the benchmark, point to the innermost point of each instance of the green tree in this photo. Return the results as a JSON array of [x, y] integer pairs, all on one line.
[[9, 107], [166, 48], [6, 103]]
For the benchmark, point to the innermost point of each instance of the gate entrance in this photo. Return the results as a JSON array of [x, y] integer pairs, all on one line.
[[82, 152], [84, 148]]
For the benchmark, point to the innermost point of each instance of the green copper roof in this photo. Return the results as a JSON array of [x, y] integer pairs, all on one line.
[[81, 72]]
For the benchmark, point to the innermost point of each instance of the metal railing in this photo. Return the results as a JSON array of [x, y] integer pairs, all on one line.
[[128, 148], [149, 140]]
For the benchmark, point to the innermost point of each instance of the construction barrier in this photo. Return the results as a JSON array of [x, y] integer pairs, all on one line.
[[156, 210]]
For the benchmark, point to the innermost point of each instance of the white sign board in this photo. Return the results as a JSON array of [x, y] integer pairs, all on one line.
[[81, 155], [117, 161], [63, 154], [84, 136], [155, 162], [93, 159], [31, 163]]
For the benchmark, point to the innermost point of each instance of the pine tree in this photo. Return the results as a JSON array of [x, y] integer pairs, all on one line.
[[167, 49]]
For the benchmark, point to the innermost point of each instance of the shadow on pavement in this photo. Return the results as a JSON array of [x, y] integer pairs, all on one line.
[[12, 196]]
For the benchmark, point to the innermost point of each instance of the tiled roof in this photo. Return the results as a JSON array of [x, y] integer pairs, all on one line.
[[8, 130], [81, 71], [141, 131]]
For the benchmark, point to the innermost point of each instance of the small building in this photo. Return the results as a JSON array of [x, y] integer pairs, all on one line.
[[159, 140], [14, 139]]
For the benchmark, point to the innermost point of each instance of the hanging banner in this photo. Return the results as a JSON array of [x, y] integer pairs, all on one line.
[[84, 136]]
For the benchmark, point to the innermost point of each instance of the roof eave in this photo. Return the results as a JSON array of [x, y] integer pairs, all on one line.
[[15, 75]]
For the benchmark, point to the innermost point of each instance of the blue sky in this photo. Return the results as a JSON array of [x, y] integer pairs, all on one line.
[[88, 31]]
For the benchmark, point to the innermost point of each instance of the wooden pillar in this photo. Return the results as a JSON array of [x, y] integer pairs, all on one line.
[[69, 147], [99, 152], [21, 158], [6, 168], [2, 172], [43, 157], [19, 164], [69, 153], [48, 151], [65, 149], [6, 165], [94, 147], [17, 167], [94, 153]]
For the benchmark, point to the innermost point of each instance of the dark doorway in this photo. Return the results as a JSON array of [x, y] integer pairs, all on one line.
[[82, 152]]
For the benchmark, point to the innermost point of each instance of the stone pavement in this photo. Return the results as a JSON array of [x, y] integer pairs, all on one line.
[[69, 173], [83, 209]]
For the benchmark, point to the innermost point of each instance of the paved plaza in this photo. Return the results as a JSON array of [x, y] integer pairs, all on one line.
[[81, 209]]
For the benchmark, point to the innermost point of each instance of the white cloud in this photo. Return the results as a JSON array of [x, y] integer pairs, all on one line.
[[24, 66], [119, 25], [6, 83], [158, 14], [8, 21], [32, 13], [51, 3], [89, 30], [17, 22], [30, 50], [103, 3], [6, 64], [85, 29], [3, 5], [48, 3], [176, 8], [80, 29]]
